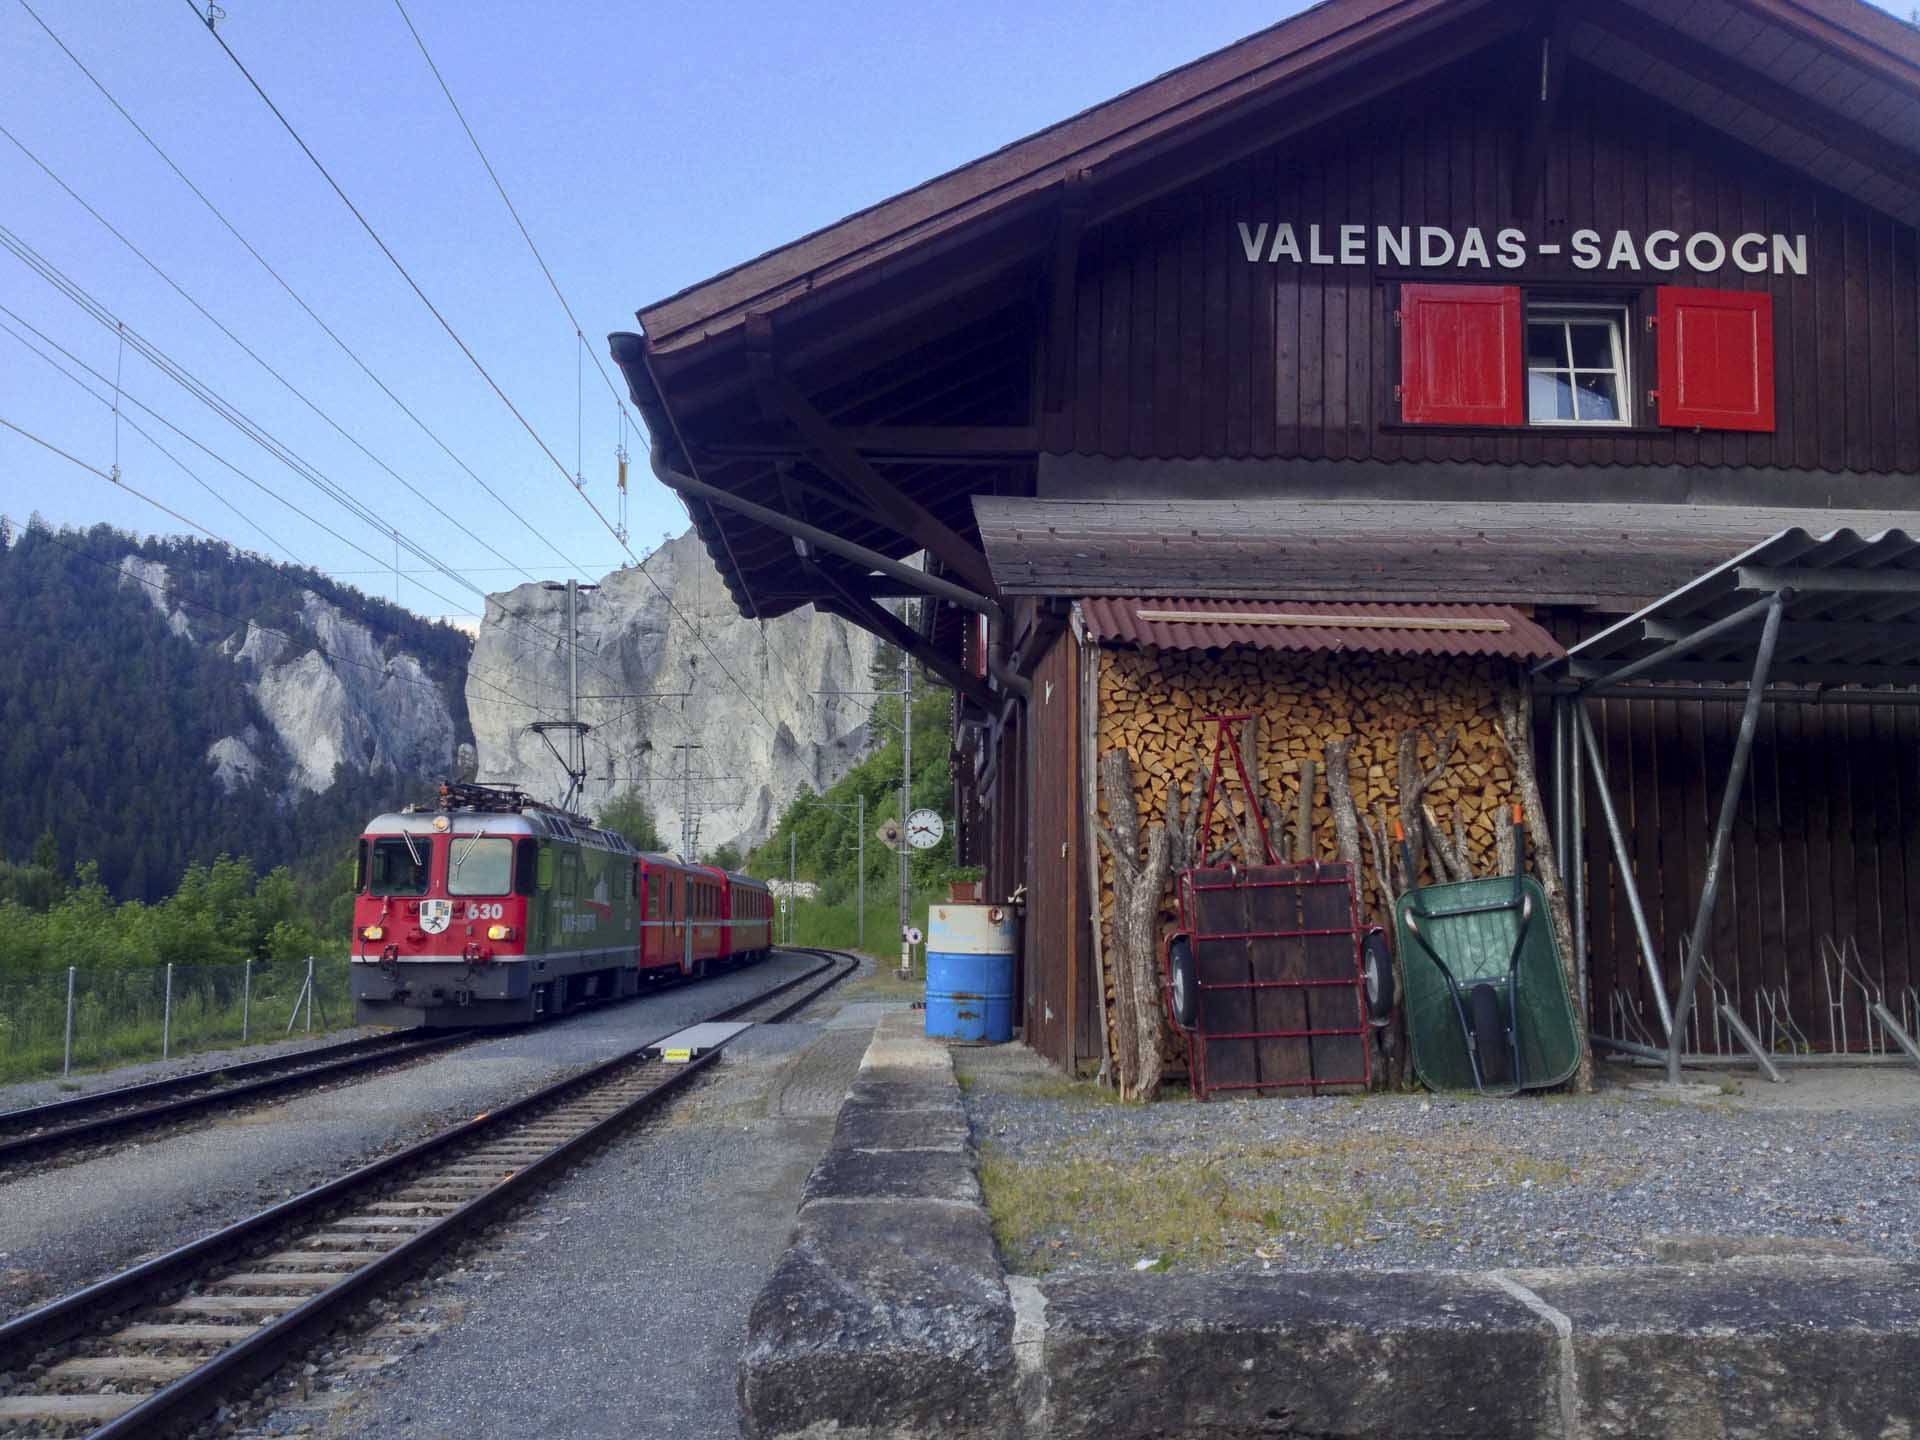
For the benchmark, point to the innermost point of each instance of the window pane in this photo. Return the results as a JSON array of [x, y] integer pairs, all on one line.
[[480, 866], [1549, 396], [398, 870], [1592, 346], [1597, 399], [1546, 346]]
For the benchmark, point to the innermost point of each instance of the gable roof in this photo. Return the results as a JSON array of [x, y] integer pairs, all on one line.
[[1829, 86]]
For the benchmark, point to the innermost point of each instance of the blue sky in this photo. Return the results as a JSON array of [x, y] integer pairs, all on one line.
[[646, 146]]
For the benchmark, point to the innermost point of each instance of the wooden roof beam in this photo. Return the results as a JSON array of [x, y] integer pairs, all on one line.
[[848, 466], [1063, 287], [862, 609], [1544, 83], [1796, 111]]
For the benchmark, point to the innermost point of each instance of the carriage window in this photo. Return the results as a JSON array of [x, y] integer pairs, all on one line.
[[400, 865], [479, 865], [360, 868], [526, 869]]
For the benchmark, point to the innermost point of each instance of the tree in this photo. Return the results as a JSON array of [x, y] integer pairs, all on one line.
[[725, 857], [629, 815]]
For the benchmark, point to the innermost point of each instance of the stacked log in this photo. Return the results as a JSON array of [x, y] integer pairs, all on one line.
[[1153, 705]]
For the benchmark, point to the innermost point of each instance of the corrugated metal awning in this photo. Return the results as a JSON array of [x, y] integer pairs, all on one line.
[[1213, 624], [1852, 618]]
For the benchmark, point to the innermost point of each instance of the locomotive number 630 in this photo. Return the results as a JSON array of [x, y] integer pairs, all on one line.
[[478, 911]]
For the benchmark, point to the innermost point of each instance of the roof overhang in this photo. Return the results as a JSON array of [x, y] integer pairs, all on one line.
[[1608, 557]]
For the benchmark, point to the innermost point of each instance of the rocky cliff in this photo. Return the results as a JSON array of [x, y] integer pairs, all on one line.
[[332, 692], [653, 678]]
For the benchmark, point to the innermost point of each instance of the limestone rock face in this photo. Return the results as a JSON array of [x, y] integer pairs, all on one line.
[[649, 683], [347, 703]]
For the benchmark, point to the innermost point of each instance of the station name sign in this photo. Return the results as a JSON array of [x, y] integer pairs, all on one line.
[[1433, 247]]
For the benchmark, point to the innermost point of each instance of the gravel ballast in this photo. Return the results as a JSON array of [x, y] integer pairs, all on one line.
[[616, 1304], [65, 1226], [1633, 1175]]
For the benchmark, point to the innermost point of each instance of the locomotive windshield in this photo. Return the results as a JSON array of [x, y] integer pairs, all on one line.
[[479, 865], [400, 865]]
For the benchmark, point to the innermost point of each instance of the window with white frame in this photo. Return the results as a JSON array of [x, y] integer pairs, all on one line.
[[1577, 365]]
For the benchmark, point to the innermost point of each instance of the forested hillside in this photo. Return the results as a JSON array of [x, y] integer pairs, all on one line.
[[824, 842], [125, 662]]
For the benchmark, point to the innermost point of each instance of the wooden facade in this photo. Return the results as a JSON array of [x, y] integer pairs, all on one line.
[[1182, 347], [1103, 312]]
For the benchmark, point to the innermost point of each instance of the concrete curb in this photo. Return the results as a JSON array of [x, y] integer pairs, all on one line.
[[890, 1316]]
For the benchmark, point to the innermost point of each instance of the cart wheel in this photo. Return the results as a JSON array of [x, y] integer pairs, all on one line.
[[1376, 969], [1490, 1033], [1182, 983]]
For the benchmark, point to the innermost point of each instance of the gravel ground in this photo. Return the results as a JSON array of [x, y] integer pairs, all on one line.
[[1080, 1184], [616, 1304], [42, 1092], [61, 1228]]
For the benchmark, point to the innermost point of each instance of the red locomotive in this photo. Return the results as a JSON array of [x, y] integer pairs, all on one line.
[[490, 908]]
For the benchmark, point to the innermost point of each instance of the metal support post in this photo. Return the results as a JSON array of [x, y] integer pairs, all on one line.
[[793, 845], [246, 1002], [1573, 859], [309, 994], [1560, 780], [1649, 956], [66, 1063], [166, 1017], [906, 805], [860, 862], [1729, 808]]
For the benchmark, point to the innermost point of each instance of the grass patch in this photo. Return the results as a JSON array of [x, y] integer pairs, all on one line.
[[1271, 1201], [884, 984]]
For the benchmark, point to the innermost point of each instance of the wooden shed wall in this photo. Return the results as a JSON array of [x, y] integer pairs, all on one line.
[[1182, 347], [1059, 993]]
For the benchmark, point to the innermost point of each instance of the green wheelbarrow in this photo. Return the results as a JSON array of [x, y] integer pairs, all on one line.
[[1486, 1006]]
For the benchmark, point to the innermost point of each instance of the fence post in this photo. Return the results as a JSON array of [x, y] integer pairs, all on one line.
[[166, 1017], [66, 1063], [246, 1001], [309, 994]]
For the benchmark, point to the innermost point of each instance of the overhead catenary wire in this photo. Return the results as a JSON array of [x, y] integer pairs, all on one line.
[[259, 359], [144, 433], [510, 619], [293, 294], [98, 311], [507, 200], [222, 540], [386, 250]]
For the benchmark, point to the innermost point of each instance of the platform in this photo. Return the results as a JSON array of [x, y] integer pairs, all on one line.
[[696, 1040]]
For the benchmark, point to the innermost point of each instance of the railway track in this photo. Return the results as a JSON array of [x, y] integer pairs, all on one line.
[[155, 1349], [40, 1130]]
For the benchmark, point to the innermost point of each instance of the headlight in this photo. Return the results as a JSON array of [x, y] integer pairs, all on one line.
[[374, 932], [500, 932]]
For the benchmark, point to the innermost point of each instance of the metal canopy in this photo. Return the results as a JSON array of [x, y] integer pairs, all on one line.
[[1851, 617], [1840, 610]]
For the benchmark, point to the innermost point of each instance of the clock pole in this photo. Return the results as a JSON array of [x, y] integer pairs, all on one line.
[[906, 805]]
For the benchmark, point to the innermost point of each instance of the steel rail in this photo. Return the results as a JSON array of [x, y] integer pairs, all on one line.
[[261, 1351], [200, 1090]]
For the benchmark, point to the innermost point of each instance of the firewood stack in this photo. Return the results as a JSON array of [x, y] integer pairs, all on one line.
[[1153, 704]]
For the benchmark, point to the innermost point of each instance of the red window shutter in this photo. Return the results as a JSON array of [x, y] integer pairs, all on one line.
[[1716, 359], [1460, 355]]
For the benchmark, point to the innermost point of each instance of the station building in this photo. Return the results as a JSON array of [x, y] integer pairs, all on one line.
[[1348, 377]]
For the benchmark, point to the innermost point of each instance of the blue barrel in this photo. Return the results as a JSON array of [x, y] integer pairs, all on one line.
[[970, 973]]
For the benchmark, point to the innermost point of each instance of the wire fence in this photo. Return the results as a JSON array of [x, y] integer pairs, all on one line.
[[67, 1020]]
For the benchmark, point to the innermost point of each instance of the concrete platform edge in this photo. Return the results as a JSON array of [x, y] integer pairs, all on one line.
[[890, 1315]]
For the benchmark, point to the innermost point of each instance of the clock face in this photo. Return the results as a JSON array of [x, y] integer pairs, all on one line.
[[924, 829]]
